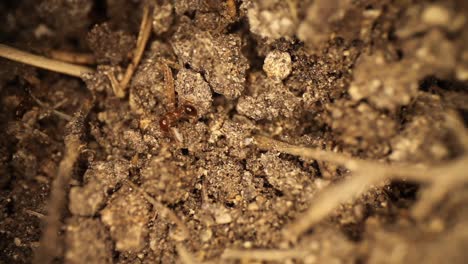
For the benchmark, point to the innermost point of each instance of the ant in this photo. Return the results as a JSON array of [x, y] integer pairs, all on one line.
[[184, 112]]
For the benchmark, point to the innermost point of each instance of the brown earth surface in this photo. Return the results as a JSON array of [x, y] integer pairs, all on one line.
[[251, 131]]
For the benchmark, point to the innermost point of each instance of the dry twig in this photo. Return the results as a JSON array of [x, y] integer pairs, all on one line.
[[143, 37], [365, 173], [170, 90], [43, 62]]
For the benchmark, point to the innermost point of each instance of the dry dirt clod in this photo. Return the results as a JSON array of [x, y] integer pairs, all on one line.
[[192, 88], [127, 217], [270, 19], [269, 100], [87, 241], [74, 14], [219, 57], [163, 16], [320, 16], [100, 178], [109, 46]]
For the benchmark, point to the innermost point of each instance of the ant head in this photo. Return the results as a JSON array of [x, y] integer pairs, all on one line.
[[189, 110]]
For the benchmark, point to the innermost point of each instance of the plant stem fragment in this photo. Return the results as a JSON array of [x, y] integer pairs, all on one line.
[[72, 57], [43, 62]]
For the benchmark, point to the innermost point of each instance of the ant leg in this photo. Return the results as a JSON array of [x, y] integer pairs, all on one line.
[[176, 135], [170, 90]]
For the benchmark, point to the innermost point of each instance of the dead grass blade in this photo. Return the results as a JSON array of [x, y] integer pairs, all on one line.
[[43, 62]]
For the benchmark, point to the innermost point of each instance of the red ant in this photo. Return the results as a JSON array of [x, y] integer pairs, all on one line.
[[183, 112], [174, 115]]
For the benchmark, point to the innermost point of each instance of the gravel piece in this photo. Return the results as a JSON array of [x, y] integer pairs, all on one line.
[[277, 65]]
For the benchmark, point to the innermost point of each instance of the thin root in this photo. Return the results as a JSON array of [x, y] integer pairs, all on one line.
[[56, 112], [365, 174], [34, 213]]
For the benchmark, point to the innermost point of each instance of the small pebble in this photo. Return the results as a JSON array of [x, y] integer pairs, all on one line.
[[436, 15], [223, 218], [277, 65], [206, 235]]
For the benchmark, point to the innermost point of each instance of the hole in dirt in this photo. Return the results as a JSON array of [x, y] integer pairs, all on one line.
[[464, 115], [353, 231], [427, 83], [400, 54], [9, 208], [185, 152], [237, 26], [100, 11], [402, 194], [277, 192]]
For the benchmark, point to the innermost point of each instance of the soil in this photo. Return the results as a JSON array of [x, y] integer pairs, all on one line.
[[370, 79]]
